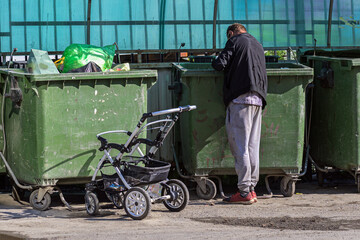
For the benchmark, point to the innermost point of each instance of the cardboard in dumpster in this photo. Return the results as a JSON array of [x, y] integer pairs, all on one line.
[[40, 63]]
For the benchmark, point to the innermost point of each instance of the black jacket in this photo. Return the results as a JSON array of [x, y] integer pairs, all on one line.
[[243, 62]]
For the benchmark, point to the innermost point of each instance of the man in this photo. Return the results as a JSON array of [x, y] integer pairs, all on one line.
[[244, 89]]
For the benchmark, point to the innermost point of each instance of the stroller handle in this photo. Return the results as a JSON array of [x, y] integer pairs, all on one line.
[[172, 110]]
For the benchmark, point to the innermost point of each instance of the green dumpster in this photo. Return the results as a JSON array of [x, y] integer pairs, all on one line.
[[2, 168], [205, 150], [303, 54], [334, 139], [51, 131], [2, 165], [160, 98]]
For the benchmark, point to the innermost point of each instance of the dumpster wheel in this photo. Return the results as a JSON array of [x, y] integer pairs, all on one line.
[[320, 178], [41, 204], [287, 186], [210, 192], [358, 182]]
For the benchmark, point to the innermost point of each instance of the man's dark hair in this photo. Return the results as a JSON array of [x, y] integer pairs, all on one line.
[[236, 26]]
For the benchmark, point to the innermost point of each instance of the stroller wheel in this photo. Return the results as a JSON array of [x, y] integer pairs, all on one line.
[[91, 203], [181, 193], [137, 203]]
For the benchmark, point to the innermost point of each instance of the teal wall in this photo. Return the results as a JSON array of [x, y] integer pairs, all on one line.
[[52, 25]]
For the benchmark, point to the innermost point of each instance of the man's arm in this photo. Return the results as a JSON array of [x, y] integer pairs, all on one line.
[[224, 58]]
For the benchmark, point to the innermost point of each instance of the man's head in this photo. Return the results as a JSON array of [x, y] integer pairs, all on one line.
[[235, 29]]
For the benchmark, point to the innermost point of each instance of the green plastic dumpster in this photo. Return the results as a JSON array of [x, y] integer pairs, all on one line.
[[2, 168], [51, 121], [304, 53], [2, 165], [159, 98], [334, 139], [204, 145]]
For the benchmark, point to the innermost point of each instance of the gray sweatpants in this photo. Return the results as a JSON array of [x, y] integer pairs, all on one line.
[[243, 126]]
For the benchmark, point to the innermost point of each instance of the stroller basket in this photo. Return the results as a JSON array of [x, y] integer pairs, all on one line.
[[111, 180], [145, 171]]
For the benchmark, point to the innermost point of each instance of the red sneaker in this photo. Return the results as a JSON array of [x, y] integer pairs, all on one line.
[[253, 194], [237, 198]]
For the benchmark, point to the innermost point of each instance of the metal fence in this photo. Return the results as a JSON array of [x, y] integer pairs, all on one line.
[[52, 25]]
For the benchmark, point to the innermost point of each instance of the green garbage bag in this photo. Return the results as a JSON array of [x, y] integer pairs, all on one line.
[[78, 55]]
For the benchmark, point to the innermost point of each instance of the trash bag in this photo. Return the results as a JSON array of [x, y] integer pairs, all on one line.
[[122, 67], [78, 55], [40, 63], [90, 67]]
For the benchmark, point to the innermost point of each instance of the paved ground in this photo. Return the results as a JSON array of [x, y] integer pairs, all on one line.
[[330, 212]]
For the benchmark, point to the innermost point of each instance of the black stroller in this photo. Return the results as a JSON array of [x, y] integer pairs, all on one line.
[[128, 187]]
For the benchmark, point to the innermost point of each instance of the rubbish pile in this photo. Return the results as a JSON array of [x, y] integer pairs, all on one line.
[[76, 58]]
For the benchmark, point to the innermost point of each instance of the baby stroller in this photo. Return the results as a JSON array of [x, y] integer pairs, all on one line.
[[128, 187]]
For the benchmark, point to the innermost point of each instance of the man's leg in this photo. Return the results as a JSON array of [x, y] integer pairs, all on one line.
[[254, 145], [238, 126]]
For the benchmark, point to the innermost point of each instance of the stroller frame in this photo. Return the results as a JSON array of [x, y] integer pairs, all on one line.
[[174, 193]]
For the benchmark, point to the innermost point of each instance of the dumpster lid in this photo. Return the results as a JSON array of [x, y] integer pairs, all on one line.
[[272, 69], [288, 69], [196, 69], [151, 65], [81, 76], [330, 52], [352, 62]]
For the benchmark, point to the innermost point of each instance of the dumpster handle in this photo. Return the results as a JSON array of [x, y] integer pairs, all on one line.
[[177, 165], [317, 166], [270, 193], [2, 114], [13, 175], [306, 161], [291, 51], [62, 198], [307, 130], [307, 133], [220, 186], [11, 57]]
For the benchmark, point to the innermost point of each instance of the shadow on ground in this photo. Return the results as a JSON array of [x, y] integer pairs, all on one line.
[[287, 223]]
